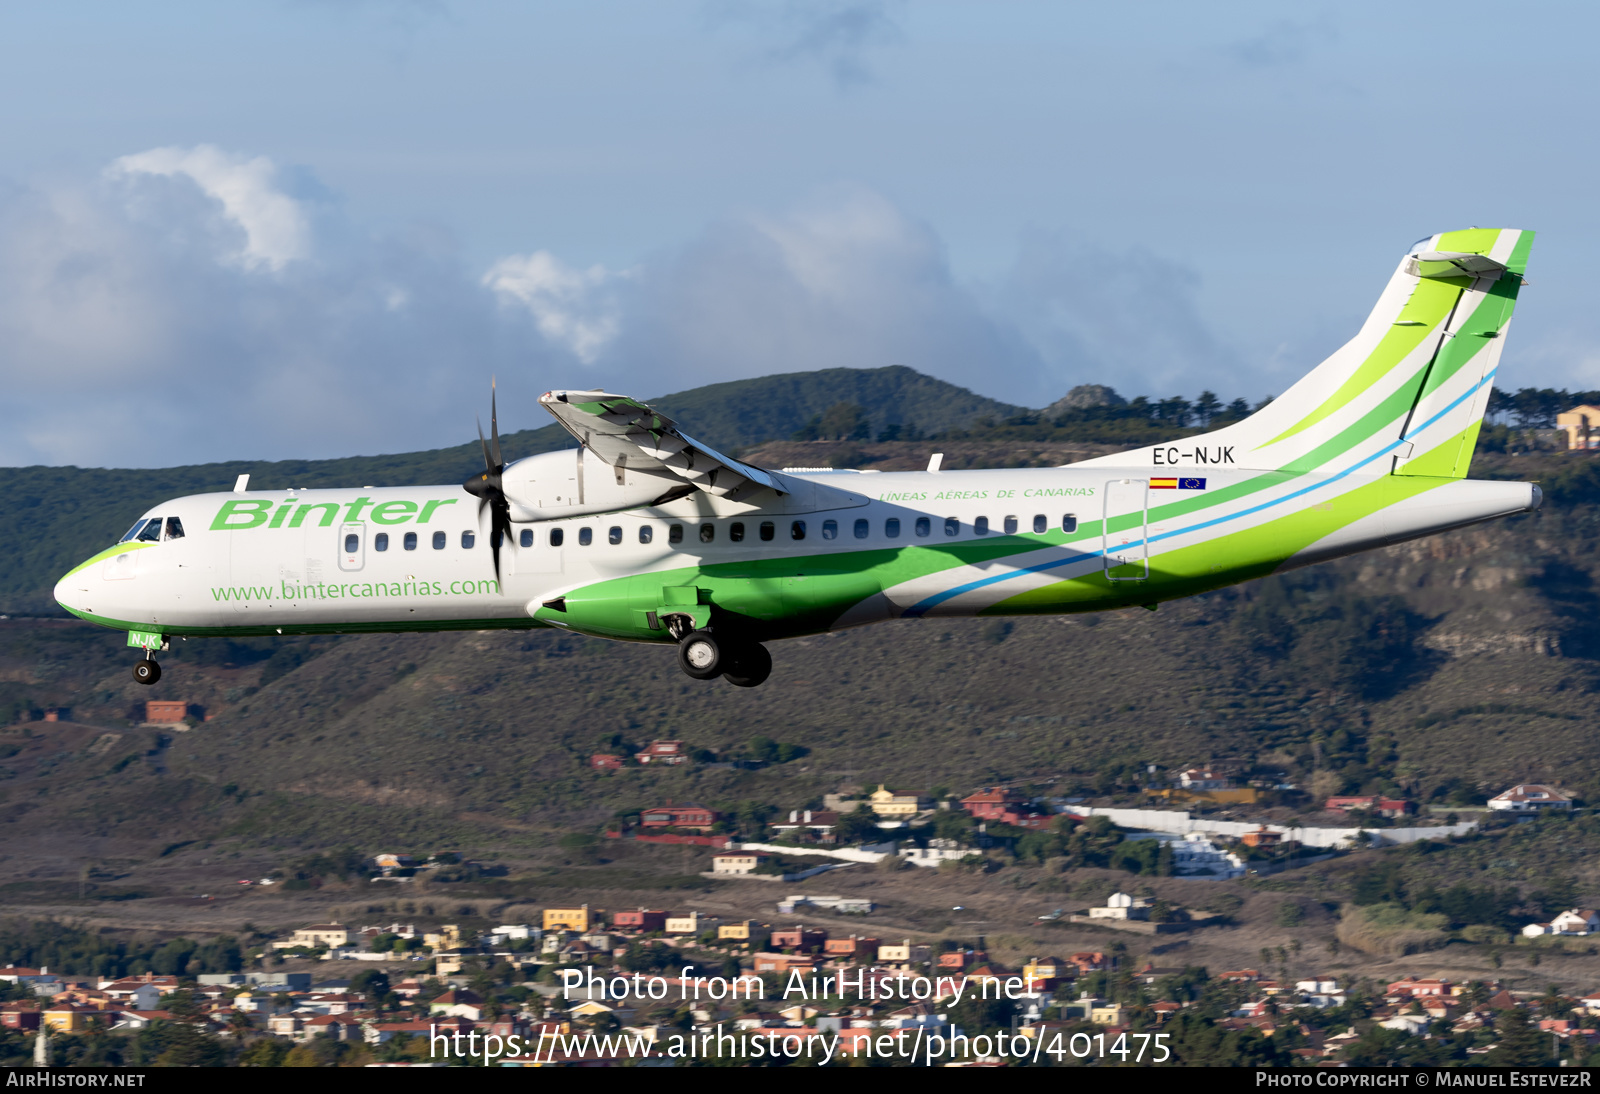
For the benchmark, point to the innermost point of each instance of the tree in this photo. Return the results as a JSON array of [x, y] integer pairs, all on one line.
[[371, 983], [1522, 1044], [1206, 407], [859, 826], [267, 1052]]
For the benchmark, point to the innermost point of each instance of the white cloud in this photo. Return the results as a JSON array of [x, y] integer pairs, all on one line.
[[571, 307], [276, 229], [136, 328]]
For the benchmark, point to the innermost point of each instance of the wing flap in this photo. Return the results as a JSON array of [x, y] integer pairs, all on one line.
[[626, 433]]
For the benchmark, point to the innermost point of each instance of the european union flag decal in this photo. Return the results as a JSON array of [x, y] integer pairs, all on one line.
[[1191, 484]]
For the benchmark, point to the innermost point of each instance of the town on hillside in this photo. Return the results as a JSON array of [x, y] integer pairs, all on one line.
[[644, 975]]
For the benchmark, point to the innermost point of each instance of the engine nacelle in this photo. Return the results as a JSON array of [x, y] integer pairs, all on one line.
[[577, 483]]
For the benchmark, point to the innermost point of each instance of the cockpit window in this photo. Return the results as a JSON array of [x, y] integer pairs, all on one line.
[[138, 524], [174, 528], [152, 531]]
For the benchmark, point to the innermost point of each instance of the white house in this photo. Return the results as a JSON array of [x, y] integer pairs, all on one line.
[[1530, 798], [1196, 856], [1201, 778], [1534, 930], [1576, 921], [1413, 1024], [1320, 991], [937, 851], [1122, 906]]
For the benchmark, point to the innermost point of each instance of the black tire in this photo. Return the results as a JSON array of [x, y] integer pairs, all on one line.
[[750, 667], [146, 671], [700, 655]]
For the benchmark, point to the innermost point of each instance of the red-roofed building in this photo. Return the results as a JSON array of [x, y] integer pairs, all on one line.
[[817, 824], [23, 1014], [1530, 798], [662, 752], [458, 1003], [1413, 988], [640, 921], [784, 962], [798, 938], [1089, 962], [852, 949], [993, 803], [688, 815], [605, 761]]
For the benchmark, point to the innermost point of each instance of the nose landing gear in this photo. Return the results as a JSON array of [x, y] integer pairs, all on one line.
[[146, 671], [702, 655]]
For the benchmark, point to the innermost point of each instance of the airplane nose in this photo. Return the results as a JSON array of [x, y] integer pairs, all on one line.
[[72, 591]]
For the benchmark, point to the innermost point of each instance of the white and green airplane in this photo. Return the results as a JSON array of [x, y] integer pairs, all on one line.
[[644, 534]]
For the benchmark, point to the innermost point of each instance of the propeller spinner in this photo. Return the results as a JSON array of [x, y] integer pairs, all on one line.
[[487, 486]]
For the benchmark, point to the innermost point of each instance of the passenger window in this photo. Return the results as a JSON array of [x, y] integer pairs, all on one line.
[[980, 527], [861, 529], [352, 543], [646, 533], [468, 541], [830, 530], [439, 540], [1069, 523], [585, 536], [924, 527], [411, 541], [526, 538], [1041, 523], [557, 536], [614, 535], [891, 528], [768, 530], [952, 526], [708, 532], [152, 531], [675, 533], [1011, 526], [174, 528], [797, 529], [736, 532], [380, 542]]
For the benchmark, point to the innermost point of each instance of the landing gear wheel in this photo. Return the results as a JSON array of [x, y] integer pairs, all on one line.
[[701, 656], [146, 671], [750, 668]]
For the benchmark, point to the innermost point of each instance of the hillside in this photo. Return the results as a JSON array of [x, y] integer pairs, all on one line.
[[55, 517]]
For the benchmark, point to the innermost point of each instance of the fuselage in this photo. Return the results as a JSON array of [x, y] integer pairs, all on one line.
[[866, 547]]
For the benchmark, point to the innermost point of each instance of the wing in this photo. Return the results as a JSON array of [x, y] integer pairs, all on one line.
[[626, 433]]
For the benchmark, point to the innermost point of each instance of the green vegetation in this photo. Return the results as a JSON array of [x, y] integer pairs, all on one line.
[[1391, 929], [79, 951]]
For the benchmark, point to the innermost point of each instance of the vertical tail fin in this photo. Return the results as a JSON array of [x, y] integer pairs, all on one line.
[[1405, 395]]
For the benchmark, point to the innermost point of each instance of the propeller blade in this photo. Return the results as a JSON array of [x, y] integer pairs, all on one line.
[[487, 462], [494, 426], [486, 487]]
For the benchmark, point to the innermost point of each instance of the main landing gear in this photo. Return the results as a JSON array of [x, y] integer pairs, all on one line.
[[705, 656], [146, 671]]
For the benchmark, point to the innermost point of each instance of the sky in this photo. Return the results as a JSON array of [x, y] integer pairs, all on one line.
[[268, 229]]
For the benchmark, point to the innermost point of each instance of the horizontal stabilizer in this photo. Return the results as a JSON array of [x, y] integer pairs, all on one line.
[[1457, 264]]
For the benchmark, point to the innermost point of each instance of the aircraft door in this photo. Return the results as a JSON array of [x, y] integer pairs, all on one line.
[[1125, 530], [352, 546]]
